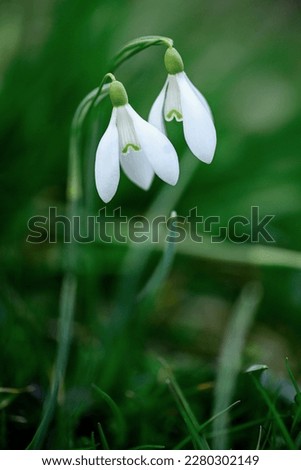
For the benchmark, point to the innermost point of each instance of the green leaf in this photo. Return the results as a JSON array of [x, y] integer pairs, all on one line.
[[247, 254], [120, 422], [67, 308], [292, 377], [259, 438], [205, 424], [274, 412], [199, 441], [103, 438]]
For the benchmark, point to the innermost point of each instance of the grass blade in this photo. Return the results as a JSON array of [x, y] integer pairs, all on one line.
[[102, 437], [230, 359], [204, 425], [67, 307], [278, 420], [292, 377], [247, 254], [199, 442], [120, 422], [259, 438]]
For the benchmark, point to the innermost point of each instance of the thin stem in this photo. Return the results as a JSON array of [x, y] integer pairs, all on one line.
[[69, 284], [134, 47], [74, 197], [102, 90]]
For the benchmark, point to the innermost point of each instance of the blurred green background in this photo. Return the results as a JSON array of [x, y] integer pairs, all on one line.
[[244, 57]]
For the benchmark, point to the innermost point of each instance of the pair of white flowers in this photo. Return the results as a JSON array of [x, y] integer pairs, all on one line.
[[141, 148]]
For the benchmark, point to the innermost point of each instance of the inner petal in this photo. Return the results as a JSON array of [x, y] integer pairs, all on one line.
[[172, 105], [126, 132]]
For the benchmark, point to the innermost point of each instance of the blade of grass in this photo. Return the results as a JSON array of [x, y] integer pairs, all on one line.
[[241, 255], [278, 420], [259, 438], [120, 422], [199, 441], [251, 424], [292, 377], [103, 438], [93, 443], [267, 437], [247, 254], [230, 358], [67, 307], [297, 415], [204, 425]]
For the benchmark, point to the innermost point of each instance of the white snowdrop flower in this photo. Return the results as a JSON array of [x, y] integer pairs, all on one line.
[[135, 145], [180, 100]]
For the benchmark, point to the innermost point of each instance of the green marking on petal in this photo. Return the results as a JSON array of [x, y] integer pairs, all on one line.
[[127, 148], [174, 114]]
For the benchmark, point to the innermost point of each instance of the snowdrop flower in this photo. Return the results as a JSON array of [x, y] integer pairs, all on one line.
[[135, 145], [180, 100]]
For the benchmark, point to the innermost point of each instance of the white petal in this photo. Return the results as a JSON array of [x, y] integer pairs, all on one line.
[[199, 95], [107, 169], [172, 105], [137, 168], [157, 148], [156, 113], [126, 131], [199, 130]]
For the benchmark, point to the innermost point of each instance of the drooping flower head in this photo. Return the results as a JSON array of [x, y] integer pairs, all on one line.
[[180, 100], [135, 145]]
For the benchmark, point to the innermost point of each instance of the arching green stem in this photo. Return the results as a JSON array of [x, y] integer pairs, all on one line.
[[74, 192], [137, 45], [70, 266]]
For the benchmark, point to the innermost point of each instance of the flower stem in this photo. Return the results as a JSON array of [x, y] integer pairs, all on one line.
[[70, 267], [137, 45], [74, 194]]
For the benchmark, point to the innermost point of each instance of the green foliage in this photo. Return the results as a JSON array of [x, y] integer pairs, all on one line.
[[72, 316]]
